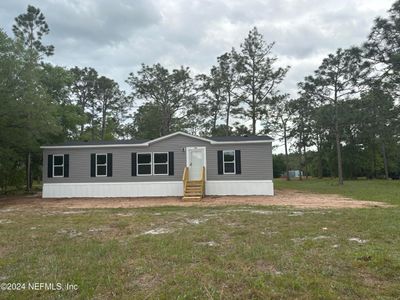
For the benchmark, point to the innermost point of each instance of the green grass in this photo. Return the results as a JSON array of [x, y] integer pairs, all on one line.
[[230, 253], [372, 190]]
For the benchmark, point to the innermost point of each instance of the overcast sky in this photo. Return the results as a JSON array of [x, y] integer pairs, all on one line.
[[115, 37]]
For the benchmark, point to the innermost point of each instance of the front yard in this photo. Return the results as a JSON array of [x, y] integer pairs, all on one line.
[[224, 252]]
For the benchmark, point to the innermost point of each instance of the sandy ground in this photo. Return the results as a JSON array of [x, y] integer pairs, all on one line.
[[282, 198]]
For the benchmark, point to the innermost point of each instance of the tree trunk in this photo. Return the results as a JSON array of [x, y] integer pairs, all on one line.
[[320, 170], [385, 162], [165, 120], [300, 168], [92, 121], [83, 124], [103, 124], [28, 173], [254, 125], [374, 160], [339, 157], [214, 121], [228, 111], [253, 98], [286, 152], [338, 148], [305, 162], [320, 175]]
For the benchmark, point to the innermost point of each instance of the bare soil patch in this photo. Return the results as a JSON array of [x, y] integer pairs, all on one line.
[[282, 198]]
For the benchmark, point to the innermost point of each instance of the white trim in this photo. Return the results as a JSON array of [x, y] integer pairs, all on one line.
[[102, 165], [146, 144], [144, 164], [204, 155], [240, 187], [62, 155], [179, 133], [154, 189], [154, 164], [234, 162]]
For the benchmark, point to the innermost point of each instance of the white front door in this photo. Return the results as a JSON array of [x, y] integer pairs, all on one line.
[[195, 161]]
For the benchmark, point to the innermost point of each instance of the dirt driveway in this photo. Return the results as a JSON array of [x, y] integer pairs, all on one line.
[[282, 198]]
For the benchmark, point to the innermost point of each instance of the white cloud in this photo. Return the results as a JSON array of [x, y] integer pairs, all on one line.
[[115, 37]]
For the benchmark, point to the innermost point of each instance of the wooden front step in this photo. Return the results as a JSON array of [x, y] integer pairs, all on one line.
[[192, 198], [194, 184], [193, 189]]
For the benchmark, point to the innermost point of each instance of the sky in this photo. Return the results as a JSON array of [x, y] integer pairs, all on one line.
[[116, 37]]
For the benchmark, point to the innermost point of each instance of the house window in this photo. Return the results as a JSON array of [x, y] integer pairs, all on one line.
[[160, 163], [143, 164], [229, 162], [58, 165], [101, 165]]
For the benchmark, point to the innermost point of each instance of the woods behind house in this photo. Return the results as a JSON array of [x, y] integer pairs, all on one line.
[[343, 122]]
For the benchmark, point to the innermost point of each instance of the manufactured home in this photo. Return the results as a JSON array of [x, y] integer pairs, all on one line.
[[178, 164]]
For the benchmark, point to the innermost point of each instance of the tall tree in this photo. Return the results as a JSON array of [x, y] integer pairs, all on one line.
[[336, 80], [258, 77], [211, 89], [29, 30], [383, 45], [377, 122], [219, 91], [30, 27], [321, 126], [229, 76], [57, 82], [146, 122], [112, 102], [281, 116], [301, 112], [11, 170], [172, 92], [83, 93]]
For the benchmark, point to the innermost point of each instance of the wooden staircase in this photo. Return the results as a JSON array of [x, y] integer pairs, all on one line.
[[193, 190]]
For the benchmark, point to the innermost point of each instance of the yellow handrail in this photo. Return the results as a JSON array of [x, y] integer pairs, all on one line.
[[185, 177], [203, 180]]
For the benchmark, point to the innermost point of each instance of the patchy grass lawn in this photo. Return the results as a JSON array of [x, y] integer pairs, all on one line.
[[372, 190], [204, 252]]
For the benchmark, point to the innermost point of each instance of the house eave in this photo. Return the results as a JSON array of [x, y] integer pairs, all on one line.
[[146, 144]]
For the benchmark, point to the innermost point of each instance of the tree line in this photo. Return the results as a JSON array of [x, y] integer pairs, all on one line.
[[343, 123]]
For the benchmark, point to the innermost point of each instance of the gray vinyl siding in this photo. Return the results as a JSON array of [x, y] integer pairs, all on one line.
[[256, 161]]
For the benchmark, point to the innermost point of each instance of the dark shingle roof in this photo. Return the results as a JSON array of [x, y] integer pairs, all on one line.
[[227, 139], [240, 138], [95, 143]]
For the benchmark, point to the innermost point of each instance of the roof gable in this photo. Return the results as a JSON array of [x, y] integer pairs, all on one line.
[[179, 133]]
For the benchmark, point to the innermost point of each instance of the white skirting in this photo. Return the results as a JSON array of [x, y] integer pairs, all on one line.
[[113, 189], [240, 187], [154, 189]]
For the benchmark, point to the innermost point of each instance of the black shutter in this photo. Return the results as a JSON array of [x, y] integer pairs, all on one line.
[[66, 165], [50, 166], [238, 162], [220, 163], [170, 163], [109, 165], [93, 165], [133, 160]]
